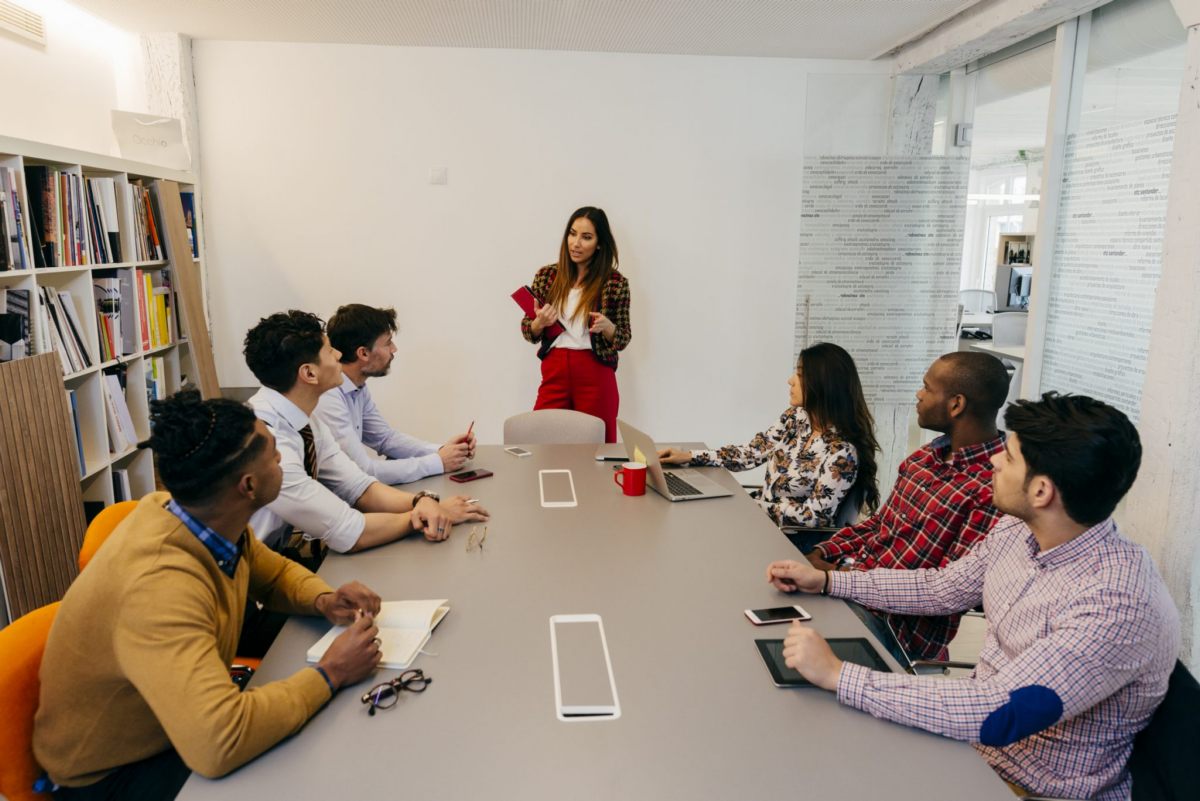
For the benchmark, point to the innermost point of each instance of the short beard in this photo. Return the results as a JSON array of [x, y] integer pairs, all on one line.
[[377, 373]]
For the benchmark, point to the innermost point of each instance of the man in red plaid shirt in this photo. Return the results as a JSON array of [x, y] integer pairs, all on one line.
[[941, 504]]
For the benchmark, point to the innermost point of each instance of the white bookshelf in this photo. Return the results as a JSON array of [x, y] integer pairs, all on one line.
[[177, 366]]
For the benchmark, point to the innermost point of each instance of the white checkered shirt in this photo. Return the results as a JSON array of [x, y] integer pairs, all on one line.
[[1081, 640]]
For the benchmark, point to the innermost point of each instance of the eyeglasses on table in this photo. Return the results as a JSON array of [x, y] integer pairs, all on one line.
[[475, 541], [385, 695]]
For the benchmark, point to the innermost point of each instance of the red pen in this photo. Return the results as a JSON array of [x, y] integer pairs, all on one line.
[[468, 437]]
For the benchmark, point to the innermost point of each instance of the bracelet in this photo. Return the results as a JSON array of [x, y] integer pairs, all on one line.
[[329, 681], [825, 589]]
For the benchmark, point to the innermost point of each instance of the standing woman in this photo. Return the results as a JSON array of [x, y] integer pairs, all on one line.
[[819, 450], [586, 294]]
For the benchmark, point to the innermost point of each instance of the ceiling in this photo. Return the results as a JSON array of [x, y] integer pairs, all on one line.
[[840, 29]]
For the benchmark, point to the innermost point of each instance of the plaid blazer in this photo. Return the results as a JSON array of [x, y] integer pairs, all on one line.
[[614, 304]]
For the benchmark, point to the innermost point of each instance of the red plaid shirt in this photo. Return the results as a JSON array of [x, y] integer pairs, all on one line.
[[940, 507]]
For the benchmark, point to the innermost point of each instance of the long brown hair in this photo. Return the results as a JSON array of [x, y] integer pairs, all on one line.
[[600, 268], [833, 398]]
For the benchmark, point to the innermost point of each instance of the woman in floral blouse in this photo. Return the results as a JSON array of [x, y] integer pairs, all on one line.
[[585, 294], [822, 446]]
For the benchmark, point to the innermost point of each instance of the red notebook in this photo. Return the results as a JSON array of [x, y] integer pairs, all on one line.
[[524, 297]]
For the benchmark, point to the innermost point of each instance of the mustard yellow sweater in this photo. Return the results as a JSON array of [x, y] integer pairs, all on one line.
[[138, 657]]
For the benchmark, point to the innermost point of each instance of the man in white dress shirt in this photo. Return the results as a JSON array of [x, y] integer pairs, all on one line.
[[325, 496], [363, 335]]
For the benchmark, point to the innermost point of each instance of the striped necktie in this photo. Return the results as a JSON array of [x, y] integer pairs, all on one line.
[[310, 451], [296, 546]]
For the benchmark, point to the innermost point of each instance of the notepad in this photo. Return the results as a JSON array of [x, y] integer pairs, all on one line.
[[524, 297], [404, 628]]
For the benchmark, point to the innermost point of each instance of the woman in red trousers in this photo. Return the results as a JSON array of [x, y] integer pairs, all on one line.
[[585, 294]]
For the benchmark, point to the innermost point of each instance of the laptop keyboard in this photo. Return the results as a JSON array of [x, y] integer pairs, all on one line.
[[678, 486]]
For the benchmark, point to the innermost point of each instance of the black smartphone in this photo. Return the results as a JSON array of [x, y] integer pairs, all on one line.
[[469, 475]]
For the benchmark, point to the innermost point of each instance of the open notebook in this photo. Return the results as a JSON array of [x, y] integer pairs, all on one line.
[[404, 628]]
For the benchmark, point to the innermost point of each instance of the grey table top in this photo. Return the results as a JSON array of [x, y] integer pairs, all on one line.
[[700, 716]]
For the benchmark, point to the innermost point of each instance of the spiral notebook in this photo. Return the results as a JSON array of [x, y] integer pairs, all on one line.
[[404, 628]]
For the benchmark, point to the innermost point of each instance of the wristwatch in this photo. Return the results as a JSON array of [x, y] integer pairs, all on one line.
[[425, 494]]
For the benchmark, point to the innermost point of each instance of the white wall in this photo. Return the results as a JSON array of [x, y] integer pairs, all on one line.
[[63, 93], [316, 162]]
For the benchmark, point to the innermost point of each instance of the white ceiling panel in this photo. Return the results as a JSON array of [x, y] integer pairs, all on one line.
[[841, 29]]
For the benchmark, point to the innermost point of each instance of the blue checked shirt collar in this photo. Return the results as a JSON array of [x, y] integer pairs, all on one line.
[[224, 552]]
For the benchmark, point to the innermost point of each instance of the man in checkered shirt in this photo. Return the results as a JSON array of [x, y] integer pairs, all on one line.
[[1081, 636], [941, 504]]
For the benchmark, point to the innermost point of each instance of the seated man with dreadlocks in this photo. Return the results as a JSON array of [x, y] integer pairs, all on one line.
[[135, 684]]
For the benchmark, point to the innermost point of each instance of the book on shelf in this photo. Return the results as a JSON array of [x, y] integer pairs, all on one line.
[[42, 185], [66, 335], [6, 255], [156, 307], [156, 381], [130, 331], [14, 221], [121, 491], [121, 434], [188, 200], [14, 324], [102, 203], [147, 242], [78, 435], [106, 291], [404, 628]]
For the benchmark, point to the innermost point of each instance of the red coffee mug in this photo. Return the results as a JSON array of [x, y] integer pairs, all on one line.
[[631, 478]]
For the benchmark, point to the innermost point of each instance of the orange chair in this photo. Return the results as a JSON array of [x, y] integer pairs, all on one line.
[[100, 527], [22, 644]]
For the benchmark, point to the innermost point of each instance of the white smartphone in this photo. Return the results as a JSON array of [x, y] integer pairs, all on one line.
[[778, 614], [518, 452], [558, 488]]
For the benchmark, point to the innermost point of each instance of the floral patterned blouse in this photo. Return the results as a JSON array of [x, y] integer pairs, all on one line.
[[807, 476]]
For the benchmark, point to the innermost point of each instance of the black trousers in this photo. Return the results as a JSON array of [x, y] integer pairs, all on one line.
[[260, 627], [159, 778]]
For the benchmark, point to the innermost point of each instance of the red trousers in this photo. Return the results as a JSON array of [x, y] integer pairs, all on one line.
[[575, 379]]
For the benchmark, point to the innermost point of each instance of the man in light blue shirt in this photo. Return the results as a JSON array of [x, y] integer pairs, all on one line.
[[364, 336]]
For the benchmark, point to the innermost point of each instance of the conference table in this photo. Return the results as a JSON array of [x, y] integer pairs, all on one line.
[[700, 716]]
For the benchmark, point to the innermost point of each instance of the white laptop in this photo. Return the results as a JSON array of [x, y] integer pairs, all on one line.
[[672, 483], [612, 452]]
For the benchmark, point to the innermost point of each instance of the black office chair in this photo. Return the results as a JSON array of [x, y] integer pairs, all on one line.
[[805, 539], [1163, 763]]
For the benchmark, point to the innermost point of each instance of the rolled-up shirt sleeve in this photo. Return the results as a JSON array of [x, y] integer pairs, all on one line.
[[308, 506]]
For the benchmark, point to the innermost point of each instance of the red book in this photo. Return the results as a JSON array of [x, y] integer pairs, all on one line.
[[524, 297]]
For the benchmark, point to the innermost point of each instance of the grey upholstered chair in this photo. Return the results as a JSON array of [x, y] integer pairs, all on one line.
[[553, 427]]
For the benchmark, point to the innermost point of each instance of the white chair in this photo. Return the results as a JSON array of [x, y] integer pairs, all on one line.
[[977, 301], [553, 427], [1008, 328]]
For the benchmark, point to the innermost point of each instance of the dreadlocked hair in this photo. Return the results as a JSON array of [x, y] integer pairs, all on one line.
[[200, 446]]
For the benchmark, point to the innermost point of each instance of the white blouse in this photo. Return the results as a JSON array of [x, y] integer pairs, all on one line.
[[575, 335]]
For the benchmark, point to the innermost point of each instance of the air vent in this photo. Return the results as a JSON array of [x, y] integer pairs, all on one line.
[[22, 22]]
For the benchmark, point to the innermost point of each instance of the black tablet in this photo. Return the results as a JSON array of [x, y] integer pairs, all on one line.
[[848, 649]]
